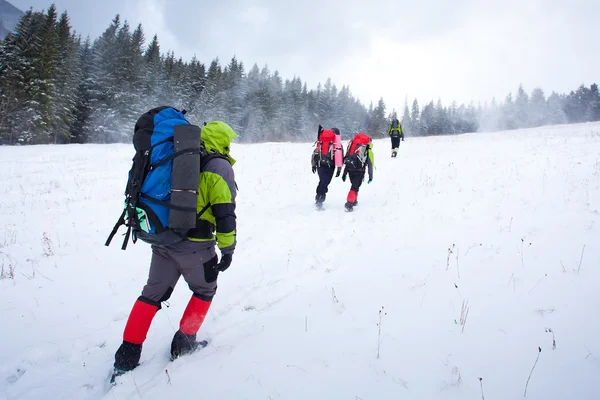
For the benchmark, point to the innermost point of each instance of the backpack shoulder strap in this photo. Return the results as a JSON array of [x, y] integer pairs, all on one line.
[[205, 158]]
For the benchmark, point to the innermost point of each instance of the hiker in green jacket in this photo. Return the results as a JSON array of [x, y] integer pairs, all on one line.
[[396, 133], [194, 258]]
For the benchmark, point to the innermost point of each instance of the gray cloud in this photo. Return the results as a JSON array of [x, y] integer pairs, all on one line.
[[461, 50]]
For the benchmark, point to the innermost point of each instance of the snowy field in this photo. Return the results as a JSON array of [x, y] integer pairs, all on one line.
[[465, 257]]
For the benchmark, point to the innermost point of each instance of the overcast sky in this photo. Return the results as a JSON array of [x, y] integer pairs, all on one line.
[[457, 50]]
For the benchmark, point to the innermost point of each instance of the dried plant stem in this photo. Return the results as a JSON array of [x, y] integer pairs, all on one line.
[[589, 353], [465, 321], [457, 270], [531, 290], [481, 384], [381, 314], [512, 278], [522, 262], [549, 330], [534, 364], [581, 259]]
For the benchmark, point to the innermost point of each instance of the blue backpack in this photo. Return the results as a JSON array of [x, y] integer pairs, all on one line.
[[162, 187]]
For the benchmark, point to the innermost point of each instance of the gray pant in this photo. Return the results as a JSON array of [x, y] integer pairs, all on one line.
[[196, 261]]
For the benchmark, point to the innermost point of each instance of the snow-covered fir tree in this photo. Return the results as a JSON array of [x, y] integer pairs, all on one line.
[[56, 87]]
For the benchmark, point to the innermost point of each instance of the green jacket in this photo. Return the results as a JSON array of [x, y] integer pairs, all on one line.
[[217, 190], [371, 154], [370, 161]]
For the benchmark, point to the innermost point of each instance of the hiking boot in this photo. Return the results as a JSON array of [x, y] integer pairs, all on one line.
[[127, 356], [349, 206], [183, 344]]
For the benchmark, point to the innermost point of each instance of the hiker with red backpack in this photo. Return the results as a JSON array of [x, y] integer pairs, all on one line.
[[359, 157], [326, 158], [180, 198]]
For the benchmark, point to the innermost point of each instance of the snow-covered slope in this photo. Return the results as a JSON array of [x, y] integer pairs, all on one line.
[[322, 305]]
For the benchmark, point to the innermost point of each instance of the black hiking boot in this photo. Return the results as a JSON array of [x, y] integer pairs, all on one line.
[[349, 206], [127, 356], [319, 200], [183, 344]]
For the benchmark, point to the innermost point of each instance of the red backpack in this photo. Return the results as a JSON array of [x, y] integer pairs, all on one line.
[[357, 151], [323, 154]]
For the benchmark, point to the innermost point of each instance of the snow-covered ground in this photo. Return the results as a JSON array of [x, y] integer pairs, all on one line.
[[322, 305]]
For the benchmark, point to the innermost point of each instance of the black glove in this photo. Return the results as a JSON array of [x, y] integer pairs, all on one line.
[[314, 169], [224, 263], [339, 169]]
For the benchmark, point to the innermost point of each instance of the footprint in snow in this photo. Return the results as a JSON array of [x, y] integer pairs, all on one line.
[[16, 376]]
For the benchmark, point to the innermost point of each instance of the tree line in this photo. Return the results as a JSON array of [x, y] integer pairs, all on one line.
[[56, 87], [524, 111]]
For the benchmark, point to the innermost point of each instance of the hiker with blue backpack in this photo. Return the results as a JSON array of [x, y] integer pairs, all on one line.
[[359, 158], [180, 198]]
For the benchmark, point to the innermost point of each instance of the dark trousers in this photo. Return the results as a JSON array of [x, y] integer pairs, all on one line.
[[325, 176], [356, 178], [395, 142], [196, 261]]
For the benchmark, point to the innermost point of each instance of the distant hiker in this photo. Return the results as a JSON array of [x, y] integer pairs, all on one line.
[[327, 157], [359, 156], [203, 154], [396, 133]]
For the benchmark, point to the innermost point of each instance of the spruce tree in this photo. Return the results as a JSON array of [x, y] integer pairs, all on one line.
[[415, 116], [555, 106], [593, 104], [537, 108], [522, 108], [67, 80], [25, 50], [406, 121], [84, 95]]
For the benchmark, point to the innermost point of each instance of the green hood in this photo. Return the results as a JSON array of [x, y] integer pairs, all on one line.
[[217, 137]]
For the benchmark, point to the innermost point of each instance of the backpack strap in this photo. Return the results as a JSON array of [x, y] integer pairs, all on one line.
[[134, 192], [206, 207], [134, 185], [205, 158], [175, 155], [164, 203], [120, 221]]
